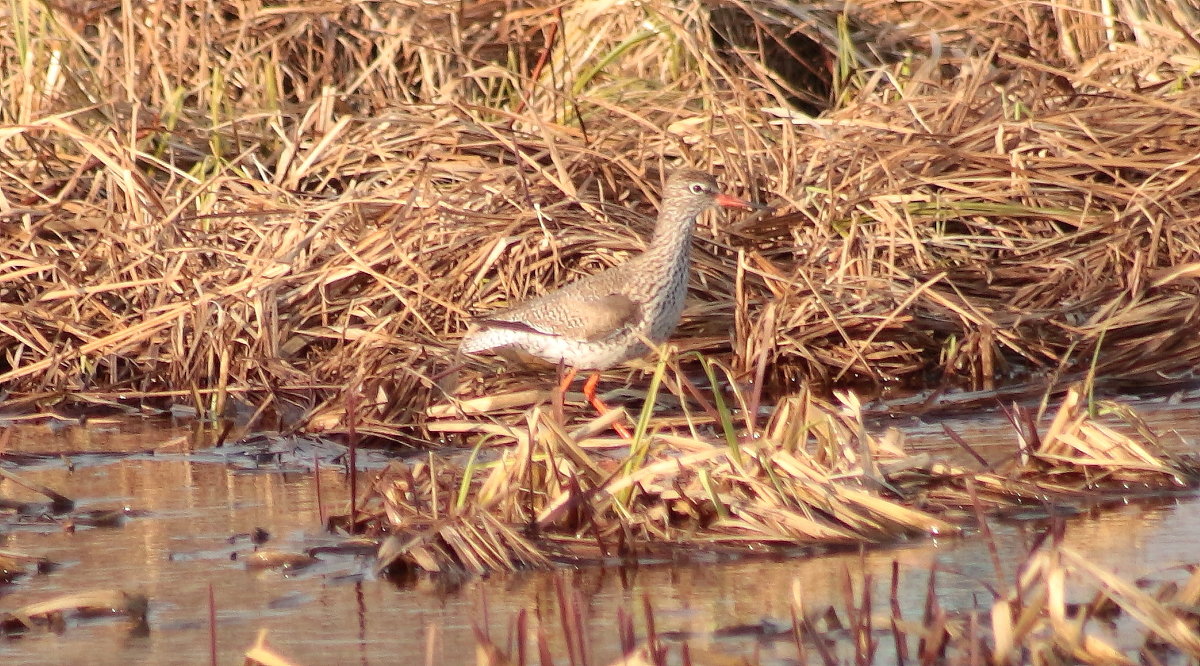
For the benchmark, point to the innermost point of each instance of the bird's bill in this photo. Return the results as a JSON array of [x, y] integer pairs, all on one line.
[[734, 202]]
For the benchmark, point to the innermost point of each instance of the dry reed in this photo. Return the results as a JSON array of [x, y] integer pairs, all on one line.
[[262, 208], [812, 478]]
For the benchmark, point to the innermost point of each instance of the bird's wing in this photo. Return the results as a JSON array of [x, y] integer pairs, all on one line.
[[582, 317]]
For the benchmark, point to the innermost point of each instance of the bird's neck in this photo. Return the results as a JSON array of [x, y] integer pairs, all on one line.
[[672, 239]]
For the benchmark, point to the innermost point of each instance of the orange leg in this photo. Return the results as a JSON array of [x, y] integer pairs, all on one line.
[[589, 392]]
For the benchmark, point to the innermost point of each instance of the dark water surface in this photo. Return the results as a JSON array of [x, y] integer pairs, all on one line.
[[196, 512]]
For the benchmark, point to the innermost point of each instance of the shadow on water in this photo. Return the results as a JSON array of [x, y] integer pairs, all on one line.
[[193, 520]]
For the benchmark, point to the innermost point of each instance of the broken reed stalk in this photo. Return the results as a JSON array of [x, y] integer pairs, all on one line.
[[353, 398], [316, 476], [212, 626], [896, 617]]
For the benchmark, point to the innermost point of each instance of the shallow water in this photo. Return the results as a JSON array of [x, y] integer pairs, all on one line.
[[197, 510]]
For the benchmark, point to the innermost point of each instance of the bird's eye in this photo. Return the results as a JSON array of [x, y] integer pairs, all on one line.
[[697, 188]]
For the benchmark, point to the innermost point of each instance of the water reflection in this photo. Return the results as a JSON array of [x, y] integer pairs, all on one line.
[[199, 514]]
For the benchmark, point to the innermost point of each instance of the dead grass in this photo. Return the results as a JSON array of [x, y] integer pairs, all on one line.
[[52, 614], [813, 478], [264, 208]]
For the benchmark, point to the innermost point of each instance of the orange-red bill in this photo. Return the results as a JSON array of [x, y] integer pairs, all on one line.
[[734, 202]]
